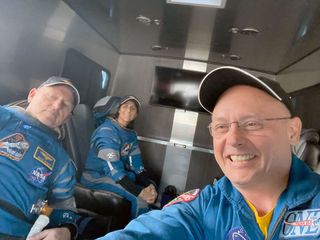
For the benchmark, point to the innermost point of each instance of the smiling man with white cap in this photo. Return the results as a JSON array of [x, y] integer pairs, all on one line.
[[34, 166], [267, 192]]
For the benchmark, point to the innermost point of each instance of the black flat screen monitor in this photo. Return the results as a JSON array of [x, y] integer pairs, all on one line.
[[177, 88]]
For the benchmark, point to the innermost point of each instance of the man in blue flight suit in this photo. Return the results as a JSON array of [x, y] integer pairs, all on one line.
[[267, 192], [33, 165]]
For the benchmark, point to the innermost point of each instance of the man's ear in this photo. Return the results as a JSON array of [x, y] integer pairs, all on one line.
[[31, 94], [294, 131]]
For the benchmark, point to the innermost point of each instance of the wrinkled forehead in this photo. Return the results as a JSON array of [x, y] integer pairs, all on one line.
[[62, 91], [247, 99]]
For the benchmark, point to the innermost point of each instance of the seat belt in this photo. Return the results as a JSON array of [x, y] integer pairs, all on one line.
[[14, 211]]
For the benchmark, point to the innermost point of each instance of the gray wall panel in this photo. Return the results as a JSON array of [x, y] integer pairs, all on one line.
[[153, 156], [203, 168], [135, 75], [202, 137], [34, 38]]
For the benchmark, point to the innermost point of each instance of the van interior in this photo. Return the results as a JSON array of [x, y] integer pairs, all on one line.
[[159, 50]]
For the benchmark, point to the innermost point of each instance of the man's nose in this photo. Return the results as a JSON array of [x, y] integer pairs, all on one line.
[[235, 135], [57, 104]]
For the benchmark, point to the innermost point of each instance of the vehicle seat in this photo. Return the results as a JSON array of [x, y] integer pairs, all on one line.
[[308, 148], [106, 106], [78, 130]]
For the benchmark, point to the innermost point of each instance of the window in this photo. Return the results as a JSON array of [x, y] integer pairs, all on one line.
[[90, 78]]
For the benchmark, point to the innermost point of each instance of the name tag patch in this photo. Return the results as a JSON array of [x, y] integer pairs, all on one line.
[[14, 146], [44, 157], [301, 223]]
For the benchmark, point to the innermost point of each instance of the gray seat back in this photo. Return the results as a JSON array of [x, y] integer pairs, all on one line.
[[78, 134], [308, 149]]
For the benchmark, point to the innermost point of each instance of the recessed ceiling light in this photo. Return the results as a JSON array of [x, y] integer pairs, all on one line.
[[244, 31], [234, 30], [143, 19], [202, 3], [158, 48], [157, 21], [249, 31], [147, 21], [232, 57]]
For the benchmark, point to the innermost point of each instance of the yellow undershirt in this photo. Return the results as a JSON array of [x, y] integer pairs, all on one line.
[[262, 221]]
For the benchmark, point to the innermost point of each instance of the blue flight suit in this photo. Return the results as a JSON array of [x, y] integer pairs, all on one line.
[[33, 166], [220, 212], [113, 155]]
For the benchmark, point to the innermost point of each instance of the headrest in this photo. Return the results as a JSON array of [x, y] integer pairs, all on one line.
[[106, 106], [307, 135]]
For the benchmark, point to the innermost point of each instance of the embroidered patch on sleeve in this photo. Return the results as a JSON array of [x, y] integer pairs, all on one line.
[[44, 157], [109, 154], [301, 223], [14, 146], [185, 197], [125, 149]]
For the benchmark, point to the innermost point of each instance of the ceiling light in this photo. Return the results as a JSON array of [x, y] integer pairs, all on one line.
[[203, 3], [157, 21], [249, 31], [232, 57], [143, 19], [147, 21], [244, 31], [234, 30], [158, 48]]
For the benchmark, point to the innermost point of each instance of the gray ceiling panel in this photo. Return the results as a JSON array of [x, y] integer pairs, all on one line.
[[288, 30]]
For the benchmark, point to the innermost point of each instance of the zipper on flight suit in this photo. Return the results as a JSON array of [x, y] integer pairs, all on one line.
[[277, 223]]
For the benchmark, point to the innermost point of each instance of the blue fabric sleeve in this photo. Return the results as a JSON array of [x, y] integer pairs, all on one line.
[[106, 145], [135, 159], [179, 221], [63, 183]]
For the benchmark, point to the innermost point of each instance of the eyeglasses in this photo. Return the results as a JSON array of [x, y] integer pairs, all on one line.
[[217, 129]]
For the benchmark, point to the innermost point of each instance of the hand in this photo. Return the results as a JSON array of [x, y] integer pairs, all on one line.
[[149, 194], [52, 234], [153, 191]]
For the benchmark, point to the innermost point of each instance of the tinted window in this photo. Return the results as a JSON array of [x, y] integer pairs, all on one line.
[[90, 78]]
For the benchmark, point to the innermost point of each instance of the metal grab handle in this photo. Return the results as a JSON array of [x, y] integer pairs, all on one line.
[[179, 145]]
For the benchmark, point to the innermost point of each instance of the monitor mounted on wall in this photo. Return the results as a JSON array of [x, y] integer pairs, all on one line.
[[177, 88]]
